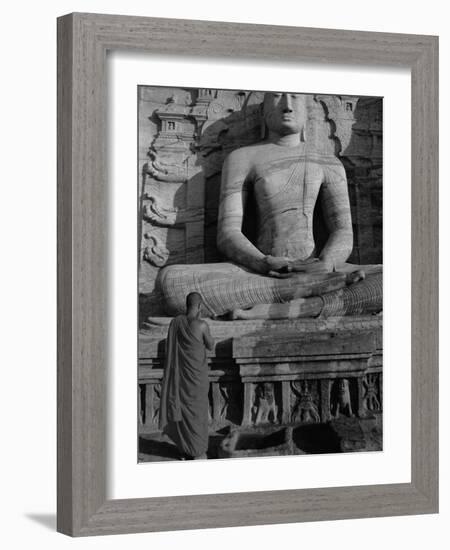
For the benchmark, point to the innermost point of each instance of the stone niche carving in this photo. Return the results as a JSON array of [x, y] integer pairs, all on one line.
[[229, 401], [305, 408], [341, 400], [372, 395], [264, 408]]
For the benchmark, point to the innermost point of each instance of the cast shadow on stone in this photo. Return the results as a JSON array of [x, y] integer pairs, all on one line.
[[217, 141], [162, 449], [153, 447], [363, 163]]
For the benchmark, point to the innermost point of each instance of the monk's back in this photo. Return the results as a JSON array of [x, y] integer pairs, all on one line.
[[196, 327], [184, 393]]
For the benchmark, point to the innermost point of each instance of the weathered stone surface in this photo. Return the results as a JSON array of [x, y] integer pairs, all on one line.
[[284, 182], [184, 137], [288, 371], [355, 434], [292, 344], [346, 434], [242, 443], [154, 332], [265, 373]]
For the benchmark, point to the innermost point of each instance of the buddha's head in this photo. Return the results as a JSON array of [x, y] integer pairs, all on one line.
[[284, 113]]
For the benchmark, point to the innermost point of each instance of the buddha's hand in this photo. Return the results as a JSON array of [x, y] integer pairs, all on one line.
[[311, 265], [277, 266]]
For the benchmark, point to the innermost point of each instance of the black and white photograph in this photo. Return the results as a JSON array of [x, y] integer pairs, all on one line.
[[260, 273]]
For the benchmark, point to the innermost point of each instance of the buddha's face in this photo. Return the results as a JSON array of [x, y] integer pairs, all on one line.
[[284, 113]]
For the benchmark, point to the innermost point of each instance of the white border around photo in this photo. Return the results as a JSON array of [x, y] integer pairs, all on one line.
[[127, 478]]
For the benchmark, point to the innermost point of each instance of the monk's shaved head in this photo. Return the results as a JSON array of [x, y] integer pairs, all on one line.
[[193, 300]]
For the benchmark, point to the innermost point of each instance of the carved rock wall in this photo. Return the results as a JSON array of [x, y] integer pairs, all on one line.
[[310, 375], [363, 161], [184, 137]]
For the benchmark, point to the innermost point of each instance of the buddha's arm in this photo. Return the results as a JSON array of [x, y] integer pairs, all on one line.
[[230, 239], [336, 210]]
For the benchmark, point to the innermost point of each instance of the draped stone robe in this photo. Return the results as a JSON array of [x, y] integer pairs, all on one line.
[[184, 394], [286, 186]]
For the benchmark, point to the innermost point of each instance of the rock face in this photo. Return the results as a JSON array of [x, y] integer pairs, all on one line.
[[184, 137], [295, 372], [322, 376], [336, 436], [260, 441]]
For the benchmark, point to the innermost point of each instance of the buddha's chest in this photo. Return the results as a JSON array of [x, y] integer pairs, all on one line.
[[286, 183]]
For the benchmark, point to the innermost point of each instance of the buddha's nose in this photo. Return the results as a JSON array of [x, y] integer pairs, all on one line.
[[287, 108]]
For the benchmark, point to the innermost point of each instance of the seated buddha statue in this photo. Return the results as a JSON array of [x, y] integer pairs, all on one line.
[[281, 273]]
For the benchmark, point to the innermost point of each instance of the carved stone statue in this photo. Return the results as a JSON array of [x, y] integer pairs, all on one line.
[[342, 402], [280, 274], [265, 408]]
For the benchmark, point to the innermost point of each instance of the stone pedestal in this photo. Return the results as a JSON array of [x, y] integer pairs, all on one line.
[[277, 372], [304, 378]]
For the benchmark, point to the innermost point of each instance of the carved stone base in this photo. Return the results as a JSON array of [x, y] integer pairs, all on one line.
[[270, 374], [354, 434], [337, 436], [259, 441]]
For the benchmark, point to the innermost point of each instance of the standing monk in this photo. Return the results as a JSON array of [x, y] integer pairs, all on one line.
[[184, 395]]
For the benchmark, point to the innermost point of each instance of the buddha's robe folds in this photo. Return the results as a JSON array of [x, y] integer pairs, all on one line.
[[285, 184], [184, 393], [226, 286]]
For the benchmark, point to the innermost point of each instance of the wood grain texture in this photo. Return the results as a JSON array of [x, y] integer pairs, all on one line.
[[83, 40], [424, 260], [64, 335]]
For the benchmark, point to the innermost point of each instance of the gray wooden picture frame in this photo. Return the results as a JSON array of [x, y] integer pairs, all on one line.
[[83, 41]]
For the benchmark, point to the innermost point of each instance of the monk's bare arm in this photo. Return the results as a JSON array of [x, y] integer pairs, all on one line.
[[230, 239], [336, 210], [207, 338]]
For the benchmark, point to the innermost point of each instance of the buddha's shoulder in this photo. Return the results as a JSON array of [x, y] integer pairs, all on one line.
[[248, 153]]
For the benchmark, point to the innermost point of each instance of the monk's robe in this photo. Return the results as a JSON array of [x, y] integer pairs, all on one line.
[[183, 413]]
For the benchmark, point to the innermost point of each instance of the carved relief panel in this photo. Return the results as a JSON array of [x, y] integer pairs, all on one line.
[[265, 407], [305, 401], [372, 392], [341, 400]]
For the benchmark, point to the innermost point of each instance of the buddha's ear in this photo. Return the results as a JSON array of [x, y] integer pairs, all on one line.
[[303, 134]]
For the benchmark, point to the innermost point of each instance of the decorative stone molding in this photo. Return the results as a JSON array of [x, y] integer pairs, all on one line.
[[341, 403], [169, 172], [155, 253], [340, 113], [305, 410], [372, 393], [155, 212], [251, 385], [264, 408]]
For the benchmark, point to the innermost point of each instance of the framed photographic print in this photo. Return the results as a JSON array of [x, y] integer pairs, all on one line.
[[233, 279], [245, 209]]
